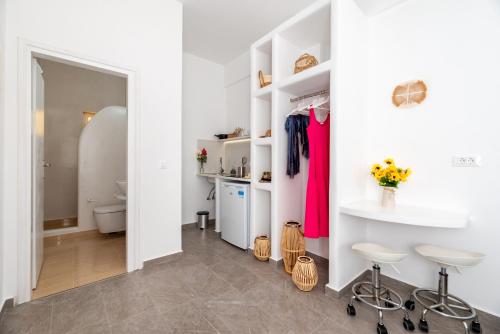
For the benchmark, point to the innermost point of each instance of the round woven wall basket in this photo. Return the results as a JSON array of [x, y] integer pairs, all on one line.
[[292, 244], [262, 248], [305, 273]]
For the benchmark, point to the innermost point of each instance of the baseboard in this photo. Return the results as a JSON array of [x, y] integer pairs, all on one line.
[[163, 259], [317, 258], [329, 291], [7, 304]]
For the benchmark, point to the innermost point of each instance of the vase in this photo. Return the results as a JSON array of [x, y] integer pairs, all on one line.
[[292, 244], [262, 248], [388, 197], [202, 170], [305, 273]]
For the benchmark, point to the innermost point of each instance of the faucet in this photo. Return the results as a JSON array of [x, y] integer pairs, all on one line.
[[221, 170]]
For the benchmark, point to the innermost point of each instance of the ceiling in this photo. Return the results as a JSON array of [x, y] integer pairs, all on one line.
[[221, 30], [374, 7]]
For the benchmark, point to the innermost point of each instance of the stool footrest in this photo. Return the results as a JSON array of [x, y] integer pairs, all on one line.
[[448, 306]]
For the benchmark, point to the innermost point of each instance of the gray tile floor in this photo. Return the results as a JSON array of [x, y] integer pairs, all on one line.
[[212, 287]]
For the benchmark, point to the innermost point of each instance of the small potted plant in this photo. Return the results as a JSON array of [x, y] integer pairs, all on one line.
[[389, 178], [201, 156]]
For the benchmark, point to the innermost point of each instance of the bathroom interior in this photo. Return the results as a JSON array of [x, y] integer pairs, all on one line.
[[83, 188]]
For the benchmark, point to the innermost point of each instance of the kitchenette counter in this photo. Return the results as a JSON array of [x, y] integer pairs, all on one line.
[[224, 177]]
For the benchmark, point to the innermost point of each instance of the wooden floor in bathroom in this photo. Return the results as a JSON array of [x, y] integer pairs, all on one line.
[[76, 259]]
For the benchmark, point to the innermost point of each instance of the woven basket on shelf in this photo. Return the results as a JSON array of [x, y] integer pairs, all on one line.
[[304, 62], [292, 244], [262, 248], [305, 273]]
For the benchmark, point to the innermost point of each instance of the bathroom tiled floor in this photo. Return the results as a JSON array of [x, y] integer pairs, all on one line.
[[76, 259], [212, 287]]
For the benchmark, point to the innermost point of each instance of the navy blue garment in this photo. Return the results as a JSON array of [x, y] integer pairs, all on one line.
[[296, 127]]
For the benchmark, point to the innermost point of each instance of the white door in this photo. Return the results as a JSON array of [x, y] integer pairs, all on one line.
[[38, 165]]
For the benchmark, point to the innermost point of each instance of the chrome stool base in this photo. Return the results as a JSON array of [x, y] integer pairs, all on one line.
[[443, 304], [380, 297]]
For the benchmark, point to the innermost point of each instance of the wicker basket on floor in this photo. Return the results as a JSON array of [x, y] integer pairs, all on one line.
[[292, 244], [262, 248], [305, 273]]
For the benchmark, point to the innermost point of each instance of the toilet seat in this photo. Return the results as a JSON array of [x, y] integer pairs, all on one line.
[[110, 208]]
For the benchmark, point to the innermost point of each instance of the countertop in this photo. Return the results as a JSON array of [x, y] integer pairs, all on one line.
[[224, 177]]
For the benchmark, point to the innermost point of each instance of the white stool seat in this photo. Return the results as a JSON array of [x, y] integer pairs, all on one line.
[[448, 256], [378, 253]]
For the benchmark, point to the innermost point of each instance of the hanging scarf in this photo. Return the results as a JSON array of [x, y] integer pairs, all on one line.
[[296, 127]]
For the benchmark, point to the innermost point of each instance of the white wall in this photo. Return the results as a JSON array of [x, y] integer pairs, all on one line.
[[451, 45], [2, 109], [145, 36], [349, 165], [69, 91], [237, 86], [203, 115], [102, 160]]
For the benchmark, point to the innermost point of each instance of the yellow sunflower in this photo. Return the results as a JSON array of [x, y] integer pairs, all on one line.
[[389, 161], [376, 168]]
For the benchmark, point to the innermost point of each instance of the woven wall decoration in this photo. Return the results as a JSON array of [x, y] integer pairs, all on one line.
[[409, 94]]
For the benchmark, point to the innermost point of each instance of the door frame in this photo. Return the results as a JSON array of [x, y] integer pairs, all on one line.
[[26, 51]]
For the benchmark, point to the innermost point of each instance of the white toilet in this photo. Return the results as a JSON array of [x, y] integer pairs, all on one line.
[[111, 218]]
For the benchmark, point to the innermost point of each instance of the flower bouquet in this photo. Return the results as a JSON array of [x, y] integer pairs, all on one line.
[[389, 177]]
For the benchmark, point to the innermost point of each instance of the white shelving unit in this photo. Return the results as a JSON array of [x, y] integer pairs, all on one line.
[[341, 53], [276, 53]]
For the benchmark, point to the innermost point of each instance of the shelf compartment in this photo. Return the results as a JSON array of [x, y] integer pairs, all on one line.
[[262, 161], [408, 215], [308, 33], [309, 81], [261, 214], [262, 116], [266, 186], [241, 138], [263, 61], [264, 93], [267, 141]]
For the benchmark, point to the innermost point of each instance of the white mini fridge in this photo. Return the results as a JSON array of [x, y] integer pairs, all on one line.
[[235, 213]]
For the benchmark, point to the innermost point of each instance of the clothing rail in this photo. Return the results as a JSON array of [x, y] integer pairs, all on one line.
[[321, 92]]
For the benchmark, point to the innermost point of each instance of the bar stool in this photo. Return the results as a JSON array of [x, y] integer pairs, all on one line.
[[440, 301], [375, 294]]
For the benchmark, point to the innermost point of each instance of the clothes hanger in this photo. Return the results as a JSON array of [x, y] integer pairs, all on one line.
[[316, 104]]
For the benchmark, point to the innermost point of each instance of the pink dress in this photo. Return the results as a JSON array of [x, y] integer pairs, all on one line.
[[317, 200]]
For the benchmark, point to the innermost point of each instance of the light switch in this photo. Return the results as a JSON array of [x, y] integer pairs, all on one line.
[[163, 164], [466, 161]]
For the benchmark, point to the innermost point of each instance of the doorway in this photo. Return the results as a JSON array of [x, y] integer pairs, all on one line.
[[28, 232], [80, 148]]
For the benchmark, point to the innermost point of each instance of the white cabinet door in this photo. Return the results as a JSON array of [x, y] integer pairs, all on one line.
[[234, 214]]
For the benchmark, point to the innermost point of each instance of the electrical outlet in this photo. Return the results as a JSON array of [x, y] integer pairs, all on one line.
[[466, 161]]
